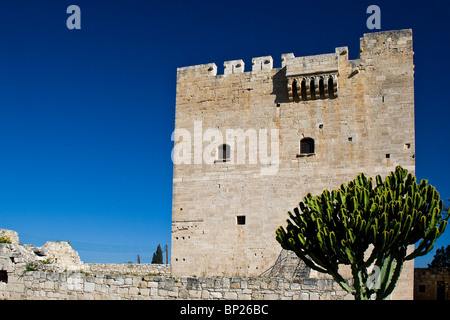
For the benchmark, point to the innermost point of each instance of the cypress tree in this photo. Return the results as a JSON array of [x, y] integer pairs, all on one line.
[[158, 256]]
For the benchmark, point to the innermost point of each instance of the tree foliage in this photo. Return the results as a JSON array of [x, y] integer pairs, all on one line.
[[441, 258], [367, 225], [158, 256]]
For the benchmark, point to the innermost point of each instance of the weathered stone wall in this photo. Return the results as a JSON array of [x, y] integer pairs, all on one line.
[[59, 256], [431, 284], [368, 126], [58, 273], [54, 271], [128, 268], [62, 254], [11, 235], [41, 285]]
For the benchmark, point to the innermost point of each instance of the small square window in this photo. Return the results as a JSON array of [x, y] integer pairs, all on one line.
[[240, 220], [422, 288], [388, 155]]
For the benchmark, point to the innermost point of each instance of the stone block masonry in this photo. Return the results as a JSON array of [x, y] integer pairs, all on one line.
[[432, 284], [330, 119], [55, 272], [129, 268], [41, 285]]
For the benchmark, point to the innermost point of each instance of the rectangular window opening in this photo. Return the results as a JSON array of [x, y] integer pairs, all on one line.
[[3, 276], [240, 220]]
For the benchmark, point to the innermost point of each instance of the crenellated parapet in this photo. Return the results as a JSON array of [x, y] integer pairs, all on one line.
[[259, 64], [308, 78]]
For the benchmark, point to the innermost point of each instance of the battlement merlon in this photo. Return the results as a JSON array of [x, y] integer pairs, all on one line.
[[388, 43], [396, 38], [315, 64], [294, 65], [208, 69], [230, 67]]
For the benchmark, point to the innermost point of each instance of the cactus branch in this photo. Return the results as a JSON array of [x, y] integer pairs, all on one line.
[[338, 227]]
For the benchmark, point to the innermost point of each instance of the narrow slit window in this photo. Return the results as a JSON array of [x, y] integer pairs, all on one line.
[[224, 153]]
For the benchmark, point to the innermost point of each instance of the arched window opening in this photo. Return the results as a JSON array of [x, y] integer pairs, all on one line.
[[331, 87], [321, 88], [312, 86], [303, 90], [295, 91], [307, 146]]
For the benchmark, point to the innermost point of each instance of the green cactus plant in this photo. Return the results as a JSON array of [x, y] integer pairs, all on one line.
[[367, 225]]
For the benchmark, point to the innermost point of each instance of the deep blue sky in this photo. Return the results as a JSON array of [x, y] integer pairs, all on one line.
[[86, 115]]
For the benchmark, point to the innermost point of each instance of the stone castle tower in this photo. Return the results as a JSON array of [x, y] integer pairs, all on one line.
[[249, 145]]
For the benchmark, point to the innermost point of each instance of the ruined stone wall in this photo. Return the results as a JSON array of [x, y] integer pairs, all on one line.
[[11, 235], [55, 272], [432, 284], [39, 285], [365, 125], [129, 268], [33, 273]]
